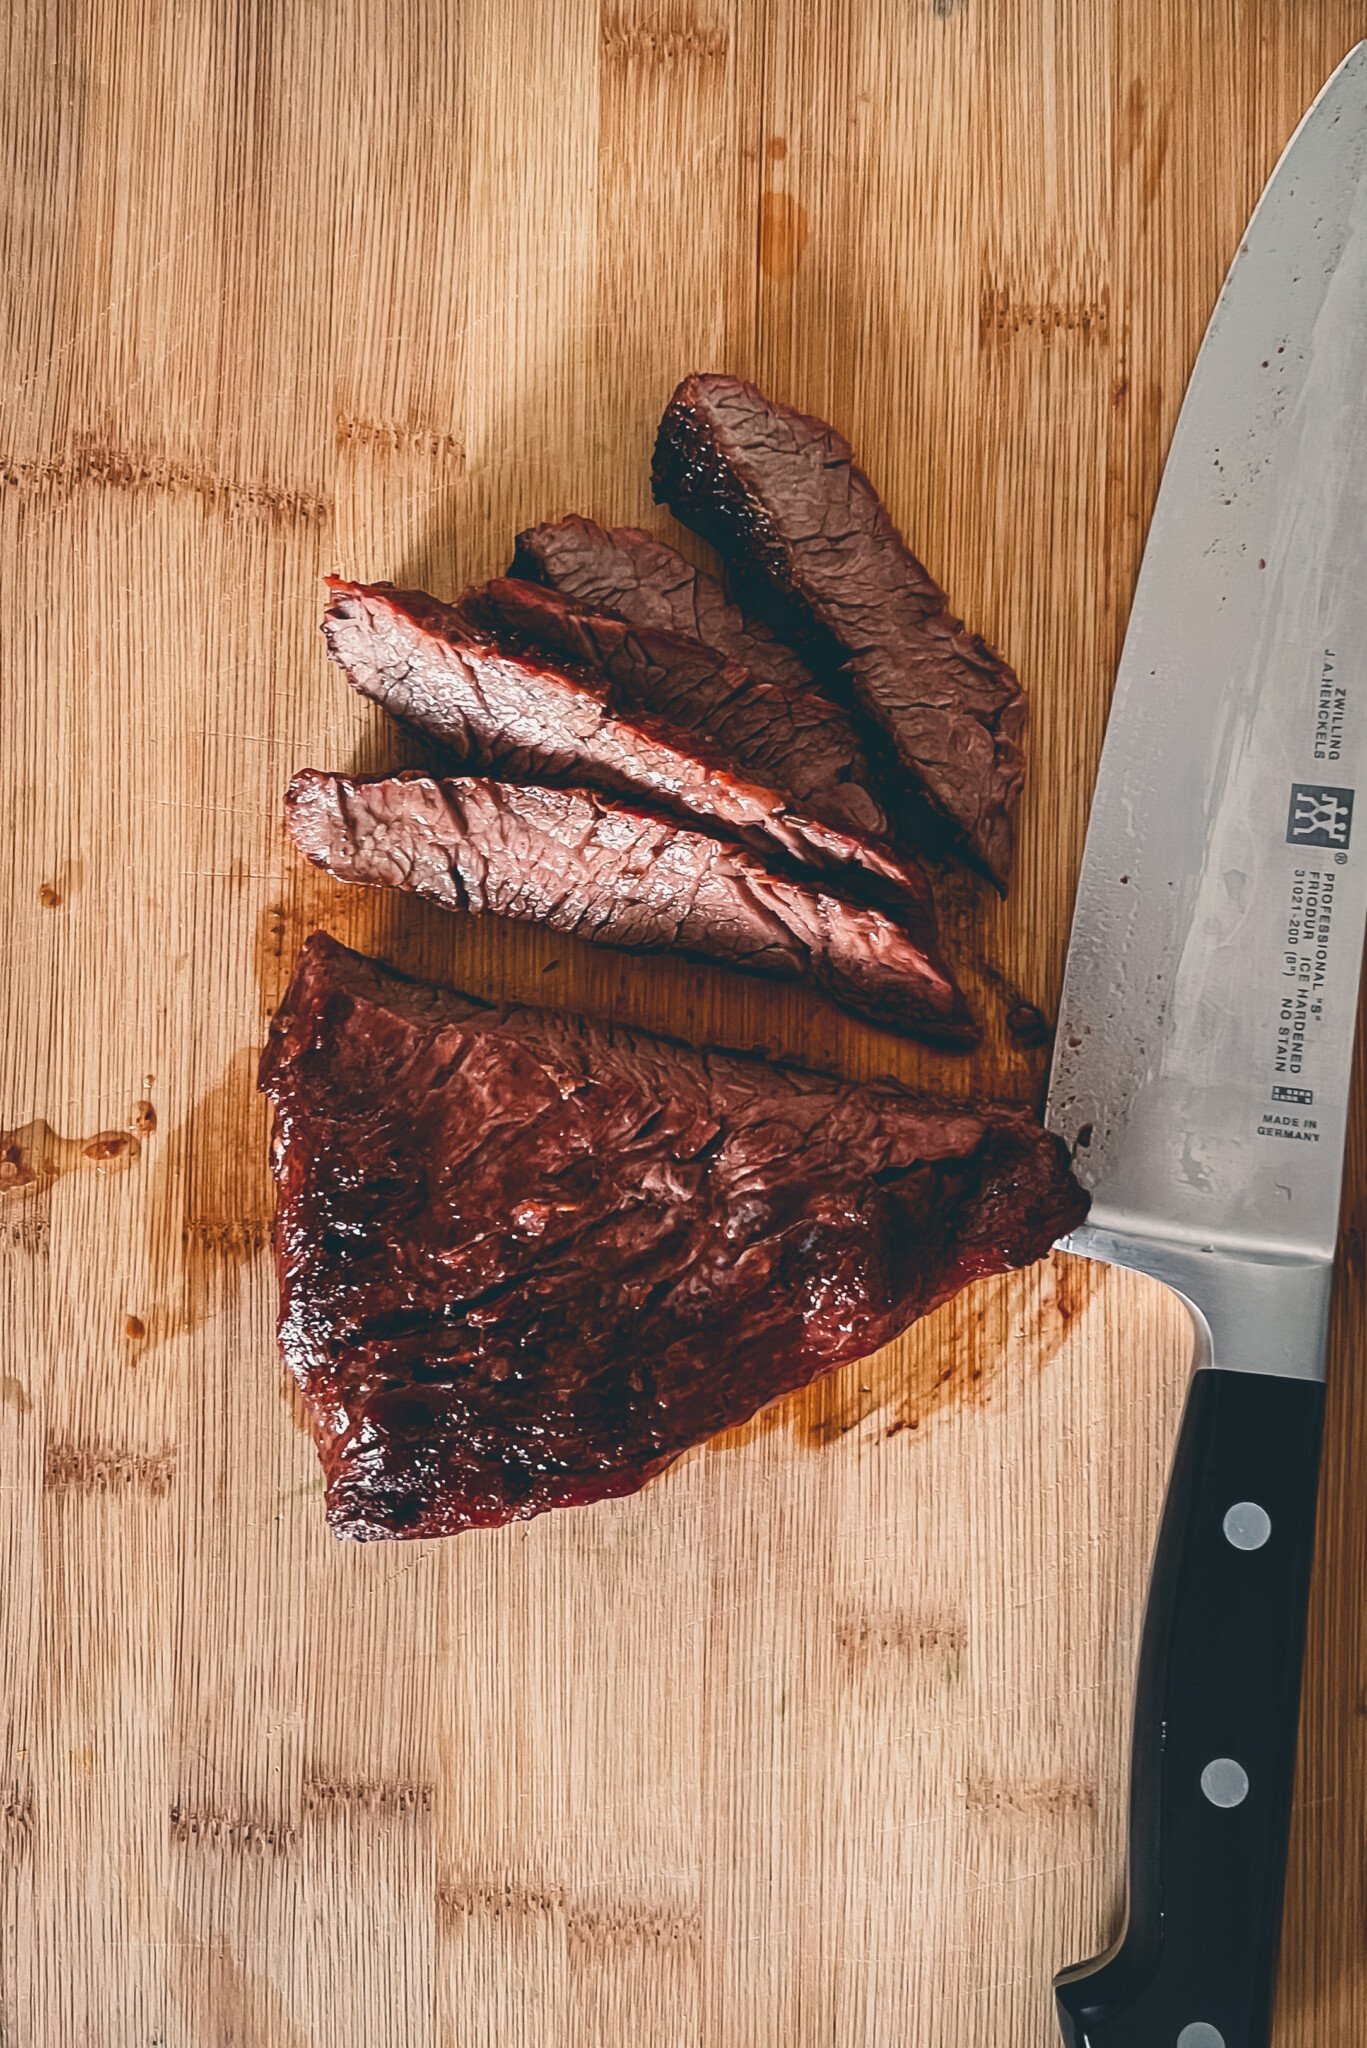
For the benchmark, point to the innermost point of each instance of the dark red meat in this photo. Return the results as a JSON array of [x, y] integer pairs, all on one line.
[[526, 1260], [619, 876], [799, 743], [519, 714], [640, 580], [779, 493]]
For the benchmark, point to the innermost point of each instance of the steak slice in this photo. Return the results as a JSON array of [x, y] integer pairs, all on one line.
[[637, 577], [796, 741], [519, 714], [644, 581], [779, 493], [578, 863], [526, 1260]]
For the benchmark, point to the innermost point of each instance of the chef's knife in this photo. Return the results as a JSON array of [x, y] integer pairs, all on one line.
[[1202, 1067]]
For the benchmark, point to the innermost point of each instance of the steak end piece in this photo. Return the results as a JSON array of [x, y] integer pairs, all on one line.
[[617, 875], [527, 1260], [780, 495]]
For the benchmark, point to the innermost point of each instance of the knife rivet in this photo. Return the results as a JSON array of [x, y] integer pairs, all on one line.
[[1200, 2034], [1247, 1526], [1225, 1782]]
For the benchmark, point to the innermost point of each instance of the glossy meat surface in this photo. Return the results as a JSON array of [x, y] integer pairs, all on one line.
[[611, 873], [804, 531], [527, 1260]]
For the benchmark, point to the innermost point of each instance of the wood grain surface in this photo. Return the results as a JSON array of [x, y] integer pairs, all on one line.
[[820, 1742]]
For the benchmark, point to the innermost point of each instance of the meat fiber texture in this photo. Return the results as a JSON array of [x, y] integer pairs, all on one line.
[[526, 1260], [797, 742], [813, 747], [611, 873], [805, 532], [521, 715], [638, 577]]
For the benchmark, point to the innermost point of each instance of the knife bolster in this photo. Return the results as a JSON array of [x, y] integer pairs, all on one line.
[[1256, 1310]]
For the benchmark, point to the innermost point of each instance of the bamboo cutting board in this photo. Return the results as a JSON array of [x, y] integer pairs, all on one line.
[[819, 1743]]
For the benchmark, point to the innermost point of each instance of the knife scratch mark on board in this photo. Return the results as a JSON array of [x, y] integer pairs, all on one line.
[[660, 42], [376, 1796], [586, 1922], [93, 466], [862, 1635], [400, 437], [208, 1828], [105, 1469], [1030, 1798]]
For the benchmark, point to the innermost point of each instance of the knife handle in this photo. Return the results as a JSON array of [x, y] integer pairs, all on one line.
[[1214, 1743]]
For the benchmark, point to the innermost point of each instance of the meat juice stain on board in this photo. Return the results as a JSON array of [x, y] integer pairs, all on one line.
[[956, 1357], [33, 1156], [783, 231], [959, 1356], [295, 1405], [15, 1394], [57, 890], [222, 1167]]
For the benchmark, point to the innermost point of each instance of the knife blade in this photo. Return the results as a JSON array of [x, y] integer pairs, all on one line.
[[1203, 1056]]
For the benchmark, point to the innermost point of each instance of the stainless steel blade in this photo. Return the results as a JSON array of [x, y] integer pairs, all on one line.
[[1206, 1030]]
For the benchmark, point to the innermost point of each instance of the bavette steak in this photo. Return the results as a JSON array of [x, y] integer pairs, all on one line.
[[634, 577], [794, 742], [577, 862], [520, 714], [806, 534], [638, 577], [527, 1260]]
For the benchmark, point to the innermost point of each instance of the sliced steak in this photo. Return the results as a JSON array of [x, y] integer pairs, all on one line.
[[579, 863], [780, 495], [520, 714], [526, 1260], [640, 578], [797, 741]]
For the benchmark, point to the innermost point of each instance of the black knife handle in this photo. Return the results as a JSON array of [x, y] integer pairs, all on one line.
[[1216, 1706]]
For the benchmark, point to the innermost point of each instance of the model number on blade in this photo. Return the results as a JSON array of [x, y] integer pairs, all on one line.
[[1300, 1005]]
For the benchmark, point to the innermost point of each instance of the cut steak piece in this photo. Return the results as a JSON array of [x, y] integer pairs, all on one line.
[[798, 742], [518, 714], [527, 1260], [579, 863], [644, 582], [779, 493], [640, 578]]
